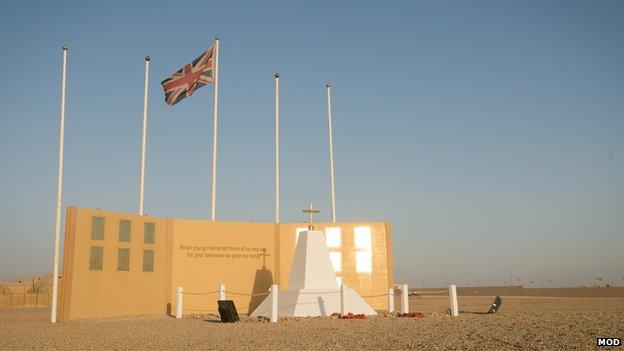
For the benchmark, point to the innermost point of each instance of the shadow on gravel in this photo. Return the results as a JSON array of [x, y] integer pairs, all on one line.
[[473, 312], [493, 307]]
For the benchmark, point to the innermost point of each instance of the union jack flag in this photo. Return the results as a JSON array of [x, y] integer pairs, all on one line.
[[189, 78]]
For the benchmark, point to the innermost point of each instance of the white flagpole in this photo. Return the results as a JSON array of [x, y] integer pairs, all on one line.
[[143, 141], [59, 191], [277, 178], [217, 39], [331, 153]]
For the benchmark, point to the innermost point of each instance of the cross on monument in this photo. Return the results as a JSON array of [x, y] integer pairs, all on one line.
[[310, 211], [264, 254]]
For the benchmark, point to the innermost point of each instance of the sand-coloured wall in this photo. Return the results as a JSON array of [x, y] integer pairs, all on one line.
[[206, 254], [107, 292], [199, 255]]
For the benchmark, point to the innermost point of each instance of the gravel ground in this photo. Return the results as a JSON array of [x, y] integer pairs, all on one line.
[[521, 324]]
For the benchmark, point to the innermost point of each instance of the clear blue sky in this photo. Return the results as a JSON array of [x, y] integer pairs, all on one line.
[[489, 133]]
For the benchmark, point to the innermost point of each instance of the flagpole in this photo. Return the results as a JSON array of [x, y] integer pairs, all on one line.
[[144, 137], [217, 39], [59, 191], [277, 178], [331, 153]]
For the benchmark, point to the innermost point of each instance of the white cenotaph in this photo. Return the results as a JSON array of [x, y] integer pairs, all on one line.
[[312, 286]]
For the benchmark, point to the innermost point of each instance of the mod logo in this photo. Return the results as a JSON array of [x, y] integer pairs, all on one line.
[[608, 342]]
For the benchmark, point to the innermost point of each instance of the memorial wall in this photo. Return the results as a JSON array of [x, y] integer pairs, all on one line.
[[117, 264]]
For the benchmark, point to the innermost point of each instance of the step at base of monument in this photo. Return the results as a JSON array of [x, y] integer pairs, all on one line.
[[312, 303]]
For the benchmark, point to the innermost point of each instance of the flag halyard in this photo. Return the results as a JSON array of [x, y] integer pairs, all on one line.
[[189, 78]]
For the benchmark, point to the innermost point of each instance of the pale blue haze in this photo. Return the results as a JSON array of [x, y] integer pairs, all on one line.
[[489, 133]]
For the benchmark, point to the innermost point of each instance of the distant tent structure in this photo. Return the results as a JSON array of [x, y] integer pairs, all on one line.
[[4, 289], [42, 284]]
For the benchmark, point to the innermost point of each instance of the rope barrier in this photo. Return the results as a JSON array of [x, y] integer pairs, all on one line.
[[214, 310], [320, 292], [200, 293], [374, 296], [432, 292], [243, 294], [259, 294]]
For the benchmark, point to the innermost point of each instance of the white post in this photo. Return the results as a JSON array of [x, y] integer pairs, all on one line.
[[274, 303], [214, 129], [331, 153], [59, 191], [179, 307], [277, 183], [221, 292], [144, 137], [454, 306], [390, 300], [404, 299], [343, 299]]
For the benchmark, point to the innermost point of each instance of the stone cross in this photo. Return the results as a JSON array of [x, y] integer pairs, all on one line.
[[310, 211]]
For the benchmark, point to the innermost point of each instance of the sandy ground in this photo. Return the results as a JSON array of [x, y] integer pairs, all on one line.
[[522, 323]]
